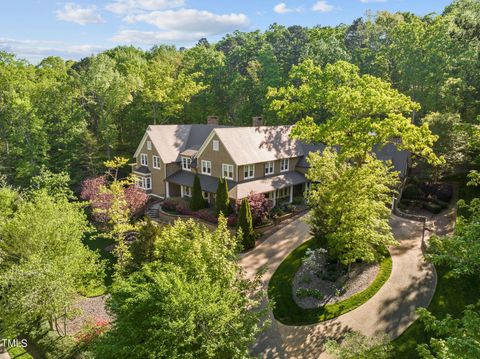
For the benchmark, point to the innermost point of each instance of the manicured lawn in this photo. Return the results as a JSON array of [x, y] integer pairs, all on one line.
[[288, 312], [451, 295]]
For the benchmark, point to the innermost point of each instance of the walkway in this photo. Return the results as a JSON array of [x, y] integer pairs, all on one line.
[[391, 310]]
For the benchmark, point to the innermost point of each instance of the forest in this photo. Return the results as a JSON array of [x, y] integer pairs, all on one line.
[[72, 115], [71, 219]]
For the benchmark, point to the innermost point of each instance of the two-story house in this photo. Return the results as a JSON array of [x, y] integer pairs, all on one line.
[[259, 159]]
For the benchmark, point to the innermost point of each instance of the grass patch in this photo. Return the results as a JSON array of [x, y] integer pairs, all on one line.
[[19, 353], [288, 312], [99, 243]]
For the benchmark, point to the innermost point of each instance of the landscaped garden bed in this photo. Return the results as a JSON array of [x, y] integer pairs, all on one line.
[[283, 289], [431, 197]]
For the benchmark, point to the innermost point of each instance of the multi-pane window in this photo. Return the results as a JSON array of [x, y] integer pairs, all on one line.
[[215, 145], [269, 168], [149, 145], [187, 191], [186, 163], [144, 182], [206, 167], [156, 162], [284, 165], [143, 159], [248, 171], [227, 171]]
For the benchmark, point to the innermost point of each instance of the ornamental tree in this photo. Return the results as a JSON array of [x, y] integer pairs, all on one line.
[[260, 207], [193, 300], [351, 206], [197, 202], [222, 201], [245, 225]]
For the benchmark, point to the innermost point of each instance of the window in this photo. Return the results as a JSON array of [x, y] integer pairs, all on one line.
[[215, 145], [206, 167], [144, 182], [205, 195], [187, 191], [284, 165], [143, 159], [268, 168], [149, 145], [248, 171], [186, 163], [156, 162], [283, 192], [227, 171]]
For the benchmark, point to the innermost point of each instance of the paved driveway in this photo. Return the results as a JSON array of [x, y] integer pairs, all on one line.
[[391, 310]]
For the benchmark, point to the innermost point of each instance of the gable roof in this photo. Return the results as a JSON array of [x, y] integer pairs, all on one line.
[[249, 145]]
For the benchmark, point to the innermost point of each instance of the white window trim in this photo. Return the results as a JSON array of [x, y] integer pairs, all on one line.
[[143, 159], [149, 145], [272, 167], [186, 191], [223, 170], [207, 167], [216, 145], [142, 182], [157, 164], [281, 164], [186, 161], [246, 169]]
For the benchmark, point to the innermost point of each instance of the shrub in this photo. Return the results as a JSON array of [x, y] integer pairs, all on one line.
[[184, 209], [91, 330], [309, 292], [260, 207], [246, 225], [432, 207], [232, 220], [197, 202], [171, 204], [207, 215], [298, 200], [412, 191]]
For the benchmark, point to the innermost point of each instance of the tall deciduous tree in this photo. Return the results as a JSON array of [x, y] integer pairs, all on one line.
[[350, 206], [43, 262]]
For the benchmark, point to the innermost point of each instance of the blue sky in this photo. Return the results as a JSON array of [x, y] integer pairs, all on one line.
[[74, 29]]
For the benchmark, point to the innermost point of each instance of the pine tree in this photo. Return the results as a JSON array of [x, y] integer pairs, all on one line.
[[222, 202], [246, 225], [197, 202]]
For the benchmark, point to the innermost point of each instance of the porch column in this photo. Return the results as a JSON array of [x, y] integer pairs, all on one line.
[[181, 191], [167, 193], [291, 194], [274, 198]]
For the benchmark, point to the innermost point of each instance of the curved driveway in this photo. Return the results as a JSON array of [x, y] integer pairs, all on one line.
[[391, 310]]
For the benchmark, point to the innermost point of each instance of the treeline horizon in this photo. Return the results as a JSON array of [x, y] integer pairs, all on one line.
[[70, 116]]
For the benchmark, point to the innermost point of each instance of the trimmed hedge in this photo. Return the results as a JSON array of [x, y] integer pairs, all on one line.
[[288, 312]]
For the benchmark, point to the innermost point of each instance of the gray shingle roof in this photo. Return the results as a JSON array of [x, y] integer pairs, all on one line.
[[208, 183], [268, 184]]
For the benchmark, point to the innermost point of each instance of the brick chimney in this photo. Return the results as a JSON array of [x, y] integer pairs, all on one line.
[[212, 120], [258, 121]]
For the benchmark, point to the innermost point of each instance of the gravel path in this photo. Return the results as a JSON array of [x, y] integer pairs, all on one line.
[[91, 309]]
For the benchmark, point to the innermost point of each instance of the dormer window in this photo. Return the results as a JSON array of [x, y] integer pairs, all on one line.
[[216, 145], [143, 159], [186, 163], [284, 165], [149, 145], [268, 168]]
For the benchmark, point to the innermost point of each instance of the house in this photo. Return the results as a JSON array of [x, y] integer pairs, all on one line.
[[259, 159]]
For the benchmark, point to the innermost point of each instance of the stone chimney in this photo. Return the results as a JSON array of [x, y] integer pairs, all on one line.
[[212, 120], [258, 121]]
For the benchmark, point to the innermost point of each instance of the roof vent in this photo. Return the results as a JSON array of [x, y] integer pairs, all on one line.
[[258, 121], [212, 120]]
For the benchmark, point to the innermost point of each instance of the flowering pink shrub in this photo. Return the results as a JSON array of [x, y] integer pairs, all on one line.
[[260, 207], [208, 215], [101, 201]]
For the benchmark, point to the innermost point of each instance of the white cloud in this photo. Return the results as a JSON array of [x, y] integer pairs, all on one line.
[[190, 21], [369, 1], [79, 15], [322, 6], [153, 37], [35, 50], [129, 6], [283, 9]]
